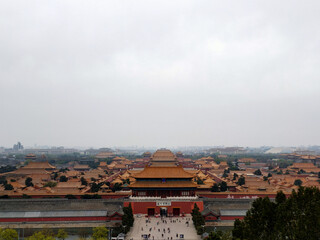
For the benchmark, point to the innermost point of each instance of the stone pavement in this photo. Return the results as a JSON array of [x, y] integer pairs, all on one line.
[[167, 228]]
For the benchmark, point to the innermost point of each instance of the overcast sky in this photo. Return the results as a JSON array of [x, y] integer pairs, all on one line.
[[159, 73]]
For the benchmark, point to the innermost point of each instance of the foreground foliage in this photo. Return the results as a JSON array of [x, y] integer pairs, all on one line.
[[8, 234], [295, 218], [198, 219], [219, 235], [100, 233], [127, 218]]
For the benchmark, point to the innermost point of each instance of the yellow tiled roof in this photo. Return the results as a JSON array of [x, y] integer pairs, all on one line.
[[163, 172], [168, 184]]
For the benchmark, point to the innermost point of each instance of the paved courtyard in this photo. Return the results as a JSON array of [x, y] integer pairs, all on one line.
[[171, 228]]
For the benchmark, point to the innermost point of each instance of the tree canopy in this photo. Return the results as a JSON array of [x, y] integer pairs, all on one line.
[[63, 179], [100, 233], [197, 219], [258, 172], [28, 182], [294, 218], [127, 218], [62, 234], [8, 234]]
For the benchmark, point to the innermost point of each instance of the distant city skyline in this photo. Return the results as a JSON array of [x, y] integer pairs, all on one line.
[[36, 146], [159, 73]]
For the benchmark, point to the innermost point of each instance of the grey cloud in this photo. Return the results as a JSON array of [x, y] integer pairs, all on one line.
[[164, 73]]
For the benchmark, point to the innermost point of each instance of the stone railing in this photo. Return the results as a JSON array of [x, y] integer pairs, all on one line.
[[168, 198]]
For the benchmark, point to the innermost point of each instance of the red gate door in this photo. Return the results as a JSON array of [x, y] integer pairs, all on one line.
[[150, 211], [176, 211]]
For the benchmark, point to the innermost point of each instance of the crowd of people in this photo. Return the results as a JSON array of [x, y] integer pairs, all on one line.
[[164, 228]]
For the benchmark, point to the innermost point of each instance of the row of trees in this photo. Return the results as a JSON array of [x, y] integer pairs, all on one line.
[[296, 217], [11, 234], [221, 187], [98, 233], [198, 219], [127, 218]]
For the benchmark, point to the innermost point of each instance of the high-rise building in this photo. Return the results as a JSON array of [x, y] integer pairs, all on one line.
[[18, 146]]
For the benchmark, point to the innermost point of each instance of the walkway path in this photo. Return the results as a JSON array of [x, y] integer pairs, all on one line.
[[171, 228]]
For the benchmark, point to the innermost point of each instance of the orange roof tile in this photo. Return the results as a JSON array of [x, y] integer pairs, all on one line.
[[244, 160], [69, 184], [163, 172], [168, 184], [302, 165], [37, 165]]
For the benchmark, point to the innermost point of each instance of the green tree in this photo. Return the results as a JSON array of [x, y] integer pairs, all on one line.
[[280, 198], [258, 172], [215, 188], [197, 219], [262, 211], [63, 179], [28, 182], [235, 176], [116, 187], [225, 173], [26, 196], [70, 196], [55, 175], [8, 186], [223, 186], [62, 234], [100, 233], [41, 235], [3, 180], [8, 234], [83, 181], [297, 182], [293, 218], [241, 181], [238, 229], [214, 236], [199, 181], [95, 187], [50, 184], [127, 218]]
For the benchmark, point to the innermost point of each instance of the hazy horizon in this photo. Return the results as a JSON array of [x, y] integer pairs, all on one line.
[[159, 73]]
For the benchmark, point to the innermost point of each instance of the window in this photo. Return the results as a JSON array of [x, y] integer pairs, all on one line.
[[185, 193]]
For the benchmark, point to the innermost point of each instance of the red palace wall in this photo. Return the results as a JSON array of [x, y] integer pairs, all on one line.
[[231, 195], [58, 219], [114, 196], [142, 207], [231, 217]]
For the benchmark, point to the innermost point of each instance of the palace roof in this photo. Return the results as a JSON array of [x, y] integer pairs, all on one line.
[[303, 166], [39, 165], [163, 172], [247, 160], [81, 166], [163, 155], [104, 155], [169, 184]]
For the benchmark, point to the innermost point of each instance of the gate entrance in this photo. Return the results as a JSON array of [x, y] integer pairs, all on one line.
[[176, 211], [163, 211], [150, 211]]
